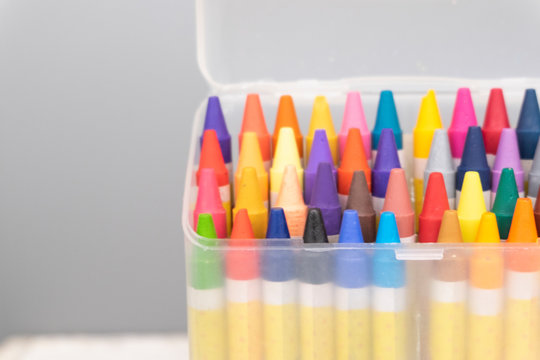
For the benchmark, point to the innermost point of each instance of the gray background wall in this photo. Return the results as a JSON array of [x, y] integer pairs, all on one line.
[[96, 99]]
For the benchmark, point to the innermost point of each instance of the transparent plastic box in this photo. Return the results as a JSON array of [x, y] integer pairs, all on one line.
[[484, 297]]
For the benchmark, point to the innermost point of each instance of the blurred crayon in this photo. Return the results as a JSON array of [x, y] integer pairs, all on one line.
[[450, 230], [214, 120], [352, 295], [250, 156], [386, 160], [428, 121], [325, 198], [495, 120], [435, 204], [254, 121], [534, 176], [209, 201], [474, 159], [440, 160], [291, 201], [388, 296], [353, 159], [244, 308], [286, 154], [462, 118], [321, 118], [360, 200], [387, 118], [528, 129], [320, 152], [316, 294], [505, 201], [206, 295], [471, 208], [286, 117], [354, 118], [537, 214], [507, 157], [249, 198], [279, 292], [398, 201], [211, 157]]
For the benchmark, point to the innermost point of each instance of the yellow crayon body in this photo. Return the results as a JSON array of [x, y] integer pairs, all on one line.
[[353, 324], [485, 337], [389, 324], [207, 334], [249, 198], [244, 330]]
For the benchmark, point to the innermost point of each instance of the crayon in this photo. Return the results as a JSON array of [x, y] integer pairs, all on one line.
[[507, 157], [253, 121], [209, 201], [523, 279], [474, 159], [495, 120], [472, 207], [428, 121], [352, 295], [485, 309], [435, 205], [321, 118], [528, 129], [440, 160], [214, 120], [291, 201], [389, 306], [398, 201], [211, 158], [505, 202], [386, 160], [279, 292], [354, 118], [360, 200], [448, 294], [325, 198], [206, 296], [537, 214], [250, 156], [387, 118], [316, 293], [244, 308], [249, 198], [462, 118], [286, 154], [534, 175], [320, 152], [286, 117], [353, 159]]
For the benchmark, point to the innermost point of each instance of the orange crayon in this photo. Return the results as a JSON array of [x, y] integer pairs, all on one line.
[[398, 201], [291, 201], [250, 156], [249, 198], [254, 121], [286, 117]]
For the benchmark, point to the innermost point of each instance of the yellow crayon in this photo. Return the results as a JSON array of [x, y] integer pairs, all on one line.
[[471, 207], [321, 118], [249, 198], [250, 156], [286, 154]]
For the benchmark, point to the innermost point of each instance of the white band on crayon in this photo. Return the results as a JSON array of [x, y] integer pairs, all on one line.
[[526, 164], [208, 299], [485, 302], [452, 203], [522, 285], [352, 299], [267, 165], [457, 161], [241, 291], [229, 167], [408, 239], [225, 193], [273, 198], [377, 204], [419, 167], [533, 199], [490, 160], [388, 299], [448, 291], [316, 295], [343, 200], [279, 292]]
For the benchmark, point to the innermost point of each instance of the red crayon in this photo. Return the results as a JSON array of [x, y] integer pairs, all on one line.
[[254, 121], [398, 201], [242, 264], [209, 202], [435, 204], [495, 120]]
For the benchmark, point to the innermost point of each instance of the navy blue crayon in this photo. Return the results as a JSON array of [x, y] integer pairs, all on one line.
[[386, 160], [528, 130], [278, 265], [325, 197], [216, 121]]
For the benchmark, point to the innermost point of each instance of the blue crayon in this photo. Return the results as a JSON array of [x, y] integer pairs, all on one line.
[[320, 152], [389, 295], [325, 197], [387, 118], [386, 160], [474, 159], [528, 130], [215, 120]]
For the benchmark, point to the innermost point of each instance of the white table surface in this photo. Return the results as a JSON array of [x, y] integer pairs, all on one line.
[[102, 347]]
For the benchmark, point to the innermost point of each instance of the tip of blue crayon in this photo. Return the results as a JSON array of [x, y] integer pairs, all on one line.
[[350, 231], [388, 231], [387, 118], [474, 159], [277, 225], [529, 116], [387, 156]]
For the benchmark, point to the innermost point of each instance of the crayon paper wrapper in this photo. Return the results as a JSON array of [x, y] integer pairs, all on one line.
[[522, 335], [353, 338], [389, 336], [447, 330], [317, 332], [207, 334], [280, 332]]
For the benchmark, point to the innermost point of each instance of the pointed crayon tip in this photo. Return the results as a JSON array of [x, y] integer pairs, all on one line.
[[495, 120], [462, 118], [286, 117], [214, 120], [429, 116], [315, 232], [488, 232], [523, 228], [205, 227], [440, 160], [209, 201], [351, 231], [528, 126], [286, 154], [507, 157], [505, 201], [277, 225], [291, 200], [474, 159], [387, 118], [471, 206], [250, 156], [321, 118], [388, 231], [206, 271], [398, 201], [534, 174], [320, 152], [242, 264], [360, 200], [254, 121], [450, 231], [354, 118], [386, 160], [211, 157], [250, 198], [354, 159], [325, 197], [242, 229], [435, 204]]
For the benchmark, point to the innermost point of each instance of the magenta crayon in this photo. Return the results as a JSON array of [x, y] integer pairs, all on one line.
[[325, 197], [320, 152], [209, 202], [507, 157], [386, 160], [463, 117], [354, 118], [214, 120]]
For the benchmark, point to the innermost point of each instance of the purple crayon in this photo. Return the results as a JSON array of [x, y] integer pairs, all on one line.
[[386, 160], [320, 152], [507, 157], [325, 197], [215, 120]]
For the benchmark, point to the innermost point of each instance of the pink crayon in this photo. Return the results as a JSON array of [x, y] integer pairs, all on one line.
[[463, 117], [354, 117], [507, 157], [209, 202]]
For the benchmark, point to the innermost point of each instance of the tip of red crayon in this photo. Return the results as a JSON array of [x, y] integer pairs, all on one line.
[[211, 157], [253, 115], [242, 264], [435, 204]]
